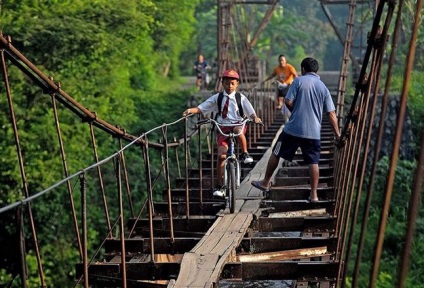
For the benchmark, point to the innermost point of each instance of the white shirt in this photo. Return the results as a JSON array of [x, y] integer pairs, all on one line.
[[211, 105]]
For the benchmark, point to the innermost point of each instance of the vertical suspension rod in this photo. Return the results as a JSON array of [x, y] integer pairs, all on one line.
[[100, 177], [66, 172], [22, 168]]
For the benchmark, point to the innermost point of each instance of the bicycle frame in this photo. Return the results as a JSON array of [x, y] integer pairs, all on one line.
[[232, 170], [231, 157]]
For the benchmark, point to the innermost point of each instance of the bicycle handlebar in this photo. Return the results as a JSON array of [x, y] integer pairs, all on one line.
[[219, 125]]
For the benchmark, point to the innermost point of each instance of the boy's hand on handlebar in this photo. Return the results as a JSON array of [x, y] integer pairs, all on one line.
[[187, 112], [257, 120]]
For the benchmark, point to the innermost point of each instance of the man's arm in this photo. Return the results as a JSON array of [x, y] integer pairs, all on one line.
[[269, 77], [289, 104], [332, 117]]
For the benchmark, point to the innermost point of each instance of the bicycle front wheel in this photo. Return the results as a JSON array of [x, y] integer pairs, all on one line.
[[231, 186]]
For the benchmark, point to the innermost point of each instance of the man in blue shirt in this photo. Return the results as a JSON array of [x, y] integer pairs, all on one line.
[[307, 99]]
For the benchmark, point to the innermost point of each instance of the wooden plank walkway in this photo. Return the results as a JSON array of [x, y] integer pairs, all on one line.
[[202, 266]]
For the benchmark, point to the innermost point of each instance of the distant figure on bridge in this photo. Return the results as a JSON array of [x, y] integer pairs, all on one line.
[[285, 73], [201, 67], [228, 113], [307, 99]]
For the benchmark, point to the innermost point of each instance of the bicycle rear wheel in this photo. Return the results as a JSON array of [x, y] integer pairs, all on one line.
[[231, 186]]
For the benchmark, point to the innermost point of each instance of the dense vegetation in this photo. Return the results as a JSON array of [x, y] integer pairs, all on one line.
[[123, 59]]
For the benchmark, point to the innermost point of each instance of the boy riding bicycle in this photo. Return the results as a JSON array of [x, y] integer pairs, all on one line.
[[228, 113]]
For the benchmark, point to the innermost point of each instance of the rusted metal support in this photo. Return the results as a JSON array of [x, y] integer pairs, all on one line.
[[149, 197], [22, 167], [165, 154], [346, 53], [396, 144], [127, 183], [66, 172], [413, 214], [121, 219], [83, 190], [370, 188], [358, 190], [362, 74], [360, 156], [177, 159], [344, 174], [200, 148], [366, 120], [21, 231], [224, 38], [100, 178], [186, 167], [380, 133]]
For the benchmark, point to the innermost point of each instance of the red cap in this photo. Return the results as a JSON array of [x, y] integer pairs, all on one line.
[[231, 74]]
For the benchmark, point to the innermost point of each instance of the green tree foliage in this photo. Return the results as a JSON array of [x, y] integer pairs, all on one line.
[[171, 37], [415, 99]]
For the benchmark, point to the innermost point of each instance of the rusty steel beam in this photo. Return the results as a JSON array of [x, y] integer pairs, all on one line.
[[285, 206], [209, 208], [282, 270], [142, 245], [194, 223], [135, 270], [316, 224], [388, 191]]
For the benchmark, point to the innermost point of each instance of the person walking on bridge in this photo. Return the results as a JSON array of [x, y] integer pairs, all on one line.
[[201, 67], [234, 106], [285, 73], [307, 99]]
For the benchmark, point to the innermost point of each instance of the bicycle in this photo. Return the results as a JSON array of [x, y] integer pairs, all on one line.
[[205, 78], [232, 170]]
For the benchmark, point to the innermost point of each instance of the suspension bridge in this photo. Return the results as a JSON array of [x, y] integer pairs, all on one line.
[[180, 236]]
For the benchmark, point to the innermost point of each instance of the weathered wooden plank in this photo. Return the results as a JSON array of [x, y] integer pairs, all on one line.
[[198, 267], [239, 204], [230, 224], [115, 259], [140, 258], [232, 237], [251, 206], [208, 257], [163, 258], [283, 255], [310, 212], [230, 250]]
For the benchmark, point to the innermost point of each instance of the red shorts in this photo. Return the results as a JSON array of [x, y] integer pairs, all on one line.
[[223, 140]]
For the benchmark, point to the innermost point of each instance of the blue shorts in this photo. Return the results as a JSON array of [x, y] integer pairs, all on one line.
[[286, 147]]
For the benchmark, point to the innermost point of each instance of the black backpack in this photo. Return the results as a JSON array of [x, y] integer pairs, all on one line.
[[238, 99]]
